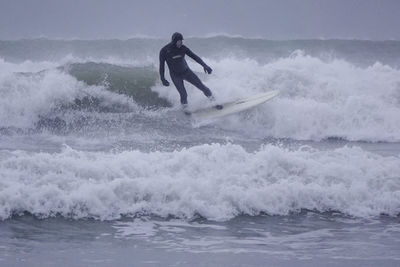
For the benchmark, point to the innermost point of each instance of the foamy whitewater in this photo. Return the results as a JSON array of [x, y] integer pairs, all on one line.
[[93, 147]]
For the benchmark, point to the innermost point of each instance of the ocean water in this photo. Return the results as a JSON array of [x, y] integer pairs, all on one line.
[[99, 167]]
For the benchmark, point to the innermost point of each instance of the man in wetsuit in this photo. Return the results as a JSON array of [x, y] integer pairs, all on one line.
[[174, 54]]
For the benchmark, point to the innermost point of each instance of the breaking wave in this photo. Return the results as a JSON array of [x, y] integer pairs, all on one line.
[[217, 182]]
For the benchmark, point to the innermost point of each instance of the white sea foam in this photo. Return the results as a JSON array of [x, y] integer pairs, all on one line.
[[30, 90], [216, 181], [319, 99]]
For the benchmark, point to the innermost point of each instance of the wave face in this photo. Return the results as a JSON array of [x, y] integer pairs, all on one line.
[[215, 181], [135, 82]]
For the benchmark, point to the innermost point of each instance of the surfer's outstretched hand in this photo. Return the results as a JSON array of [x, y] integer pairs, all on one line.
[[207, 69], [165, 82]]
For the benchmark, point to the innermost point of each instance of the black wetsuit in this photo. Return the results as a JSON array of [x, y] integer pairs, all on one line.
[[179, 69]]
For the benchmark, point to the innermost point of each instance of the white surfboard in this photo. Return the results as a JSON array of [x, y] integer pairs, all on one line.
[[212, 113]]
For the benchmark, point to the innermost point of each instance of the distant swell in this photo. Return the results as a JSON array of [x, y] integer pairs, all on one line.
[[215, 181]]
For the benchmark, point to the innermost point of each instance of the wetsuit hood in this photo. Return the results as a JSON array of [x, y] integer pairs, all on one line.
[[176, 37]]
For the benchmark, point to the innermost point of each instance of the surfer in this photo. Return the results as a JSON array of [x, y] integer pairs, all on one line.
[[174, 54]]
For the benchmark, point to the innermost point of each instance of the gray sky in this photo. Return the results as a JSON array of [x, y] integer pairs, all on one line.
[[272, 19]]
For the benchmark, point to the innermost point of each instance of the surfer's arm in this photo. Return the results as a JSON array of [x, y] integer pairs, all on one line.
[[196, 58], [162, 68], [162, 64]]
